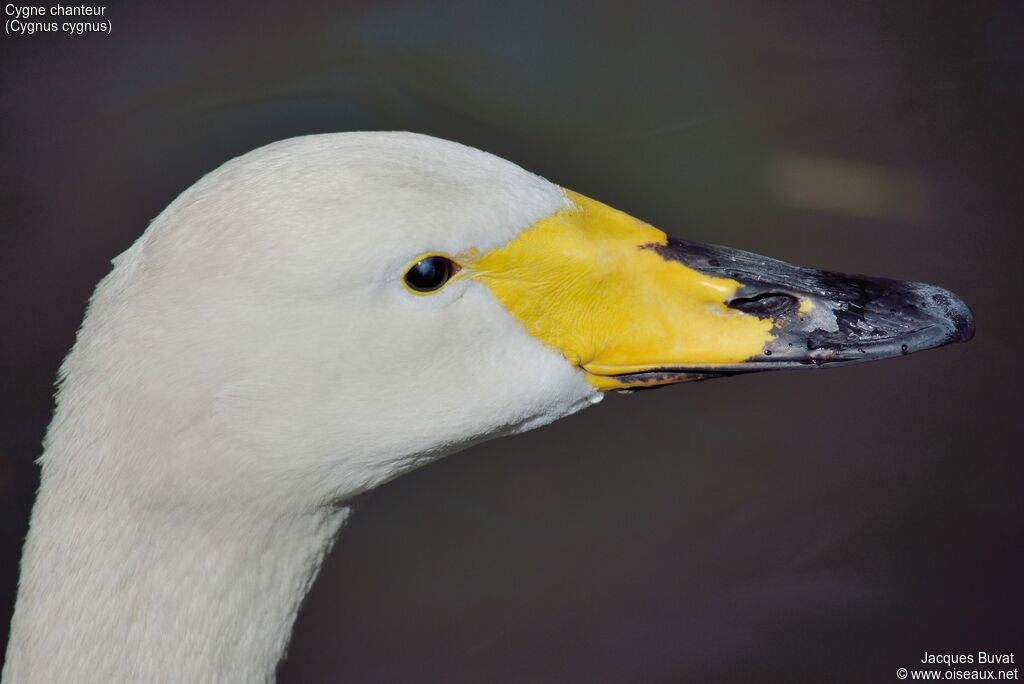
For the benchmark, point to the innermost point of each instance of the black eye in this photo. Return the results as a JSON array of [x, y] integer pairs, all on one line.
[[430, 273]]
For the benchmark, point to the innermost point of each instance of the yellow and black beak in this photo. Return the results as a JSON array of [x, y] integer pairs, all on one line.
[[633, 307]]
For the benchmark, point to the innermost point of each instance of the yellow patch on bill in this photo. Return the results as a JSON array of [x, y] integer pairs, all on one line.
[[587, 282]]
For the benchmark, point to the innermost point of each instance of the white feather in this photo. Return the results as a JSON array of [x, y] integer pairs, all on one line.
[[249, 364]]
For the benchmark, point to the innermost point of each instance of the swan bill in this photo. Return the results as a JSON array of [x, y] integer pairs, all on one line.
[[633, 307]]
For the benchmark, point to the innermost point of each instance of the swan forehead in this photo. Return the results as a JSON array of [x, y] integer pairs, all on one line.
[[356, 203]]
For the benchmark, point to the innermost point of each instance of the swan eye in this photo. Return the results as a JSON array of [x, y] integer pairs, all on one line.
[[430, 273]]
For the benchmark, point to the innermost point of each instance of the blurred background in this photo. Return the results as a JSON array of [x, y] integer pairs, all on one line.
[[805, 527]]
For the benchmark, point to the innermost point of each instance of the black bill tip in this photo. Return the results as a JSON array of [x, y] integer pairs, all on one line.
[[855, 318], [819, 318], [957, 313]]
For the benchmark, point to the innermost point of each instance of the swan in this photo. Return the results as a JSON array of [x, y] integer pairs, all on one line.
[[325, 313]]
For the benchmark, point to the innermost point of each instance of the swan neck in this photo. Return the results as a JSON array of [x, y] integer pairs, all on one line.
[[113, 592]]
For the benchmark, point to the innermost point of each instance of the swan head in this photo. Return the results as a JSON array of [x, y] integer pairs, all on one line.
[[324, 313]]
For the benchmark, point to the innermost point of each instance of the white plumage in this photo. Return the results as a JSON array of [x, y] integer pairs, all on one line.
[[252, 361], [259, 357]]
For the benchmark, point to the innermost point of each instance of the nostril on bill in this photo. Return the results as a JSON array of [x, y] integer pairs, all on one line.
[[766, 304]]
